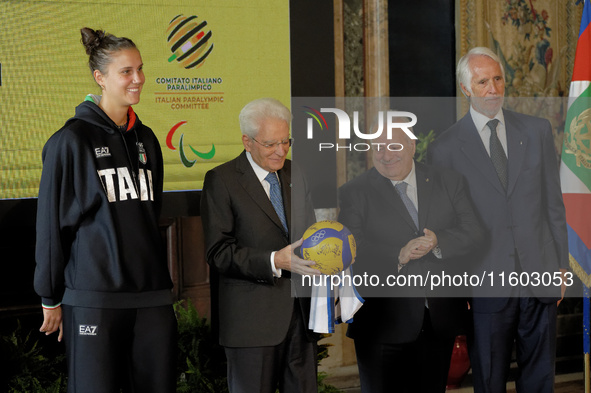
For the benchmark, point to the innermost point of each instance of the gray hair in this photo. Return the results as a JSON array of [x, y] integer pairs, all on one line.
[[253, 114], [463, 70]]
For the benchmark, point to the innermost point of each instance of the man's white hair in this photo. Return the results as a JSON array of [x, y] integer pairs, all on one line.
[[463, 70], [255, 112]]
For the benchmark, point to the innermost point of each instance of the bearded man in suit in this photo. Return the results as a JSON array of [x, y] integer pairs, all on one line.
[[510, 165], [250, 225]]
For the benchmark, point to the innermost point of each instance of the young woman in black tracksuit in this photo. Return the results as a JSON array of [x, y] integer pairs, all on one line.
[[101, 270]]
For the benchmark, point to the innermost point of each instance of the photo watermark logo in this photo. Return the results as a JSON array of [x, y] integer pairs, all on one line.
[[386, 121]]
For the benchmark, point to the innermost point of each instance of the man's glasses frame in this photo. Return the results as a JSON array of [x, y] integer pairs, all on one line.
[[284, 142]]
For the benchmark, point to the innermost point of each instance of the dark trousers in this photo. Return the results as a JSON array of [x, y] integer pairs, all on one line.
[[421, 366], [531, 325], [113, 349], [290, 366]]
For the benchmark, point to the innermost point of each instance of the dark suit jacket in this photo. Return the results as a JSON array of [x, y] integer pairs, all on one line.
[[241, 230], [529, 218], [373, 211]]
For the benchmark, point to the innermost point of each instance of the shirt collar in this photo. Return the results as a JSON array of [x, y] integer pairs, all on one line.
[[481, 120], [260, 172], [410, 179]]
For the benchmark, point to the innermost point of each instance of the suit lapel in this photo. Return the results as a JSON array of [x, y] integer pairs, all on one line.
[[516, 145], [285, 180], [474, 150], [253, 187], [424, 192], [386, 190]]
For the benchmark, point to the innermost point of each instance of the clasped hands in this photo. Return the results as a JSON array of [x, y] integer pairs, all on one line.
[[418, 247]]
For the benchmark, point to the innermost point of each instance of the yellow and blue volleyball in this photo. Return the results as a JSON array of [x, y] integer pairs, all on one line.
[[330, 244]]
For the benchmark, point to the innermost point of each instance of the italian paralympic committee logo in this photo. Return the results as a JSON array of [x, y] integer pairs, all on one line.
[[184, 159], [190, 45], [189, 41]]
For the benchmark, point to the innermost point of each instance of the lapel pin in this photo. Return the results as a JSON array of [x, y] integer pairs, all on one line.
[[427, 179]]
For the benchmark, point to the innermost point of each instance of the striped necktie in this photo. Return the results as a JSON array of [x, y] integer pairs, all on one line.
[[276, 199], [412, 210]]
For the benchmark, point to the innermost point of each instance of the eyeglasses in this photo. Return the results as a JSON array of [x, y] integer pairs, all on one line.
[[285, 142]]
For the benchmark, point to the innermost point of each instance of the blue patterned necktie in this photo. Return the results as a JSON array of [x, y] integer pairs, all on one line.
[[497, 153], [412, 210], [276, 199]]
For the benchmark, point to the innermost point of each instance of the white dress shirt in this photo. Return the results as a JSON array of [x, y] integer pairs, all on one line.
[[411, 191], [480, 121]]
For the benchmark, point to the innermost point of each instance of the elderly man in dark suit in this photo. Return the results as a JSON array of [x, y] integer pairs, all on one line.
[[407, 219], [510, 165], [248, 221]]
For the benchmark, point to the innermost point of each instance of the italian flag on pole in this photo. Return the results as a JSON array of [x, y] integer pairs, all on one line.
[[575, 172]]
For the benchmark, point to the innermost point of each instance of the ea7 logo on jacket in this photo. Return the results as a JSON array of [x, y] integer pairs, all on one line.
[[120, 186], [100, 152], [88, 330]]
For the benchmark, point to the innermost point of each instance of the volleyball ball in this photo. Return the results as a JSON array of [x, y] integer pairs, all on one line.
[[330, 244]]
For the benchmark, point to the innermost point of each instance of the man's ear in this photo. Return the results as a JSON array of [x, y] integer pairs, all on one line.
[[465, 90], [246, 142]]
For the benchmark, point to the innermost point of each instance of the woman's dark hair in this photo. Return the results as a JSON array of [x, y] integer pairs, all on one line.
[[100, 46]]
